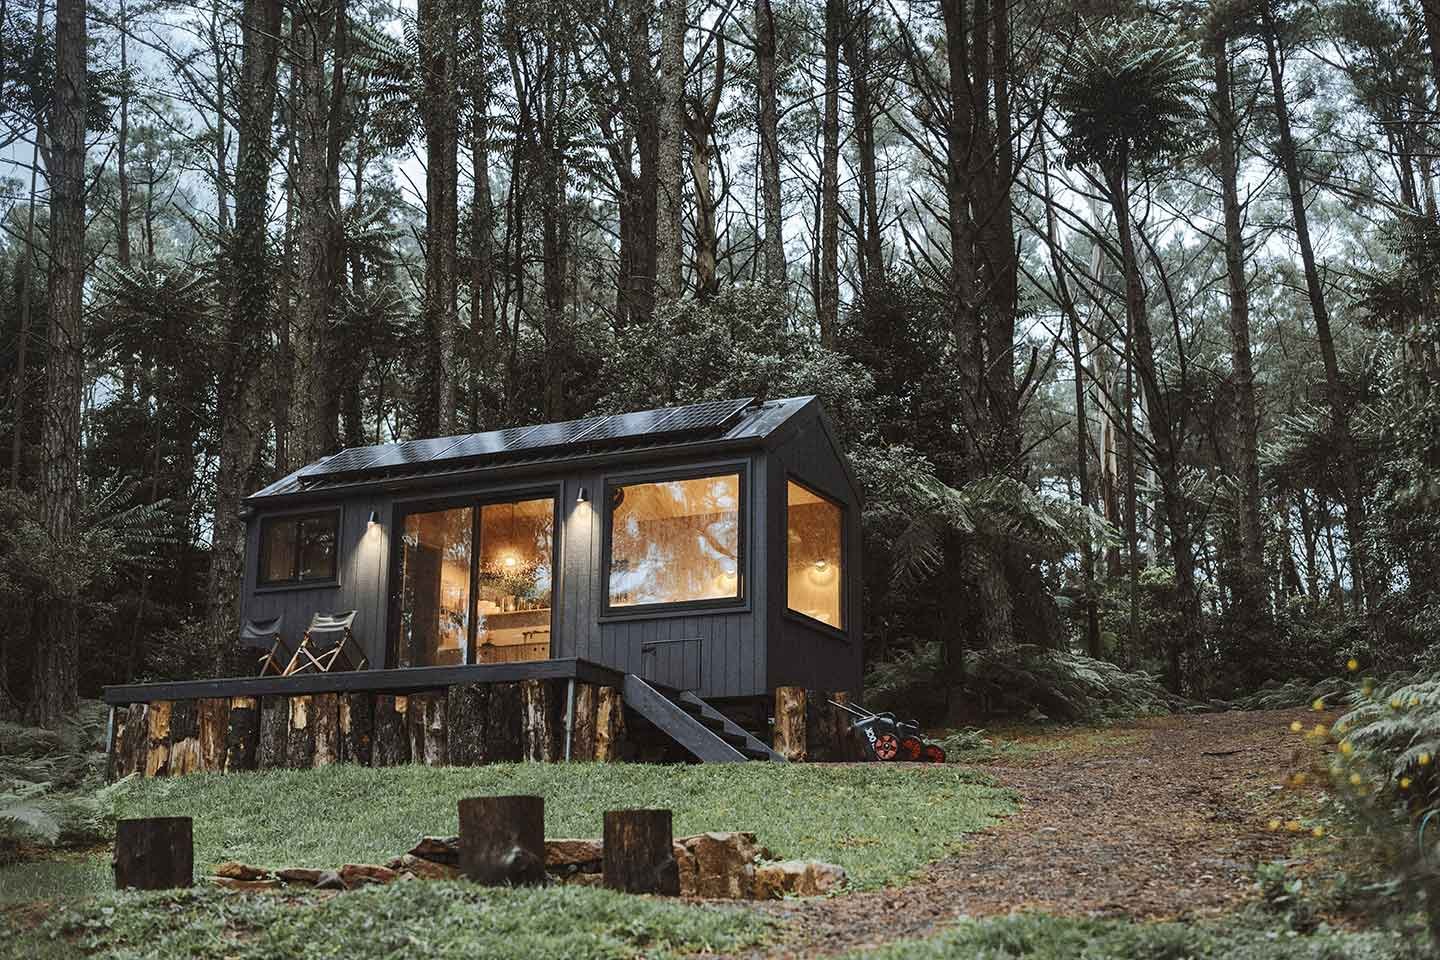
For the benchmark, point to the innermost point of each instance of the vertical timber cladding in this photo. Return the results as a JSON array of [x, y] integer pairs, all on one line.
[[462, 725]]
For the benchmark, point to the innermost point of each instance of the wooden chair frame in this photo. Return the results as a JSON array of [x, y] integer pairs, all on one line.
[[308, 657], [271, 659]]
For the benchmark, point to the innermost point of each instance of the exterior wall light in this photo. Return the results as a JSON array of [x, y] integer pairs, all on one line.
[[584, 496], [374, 518]]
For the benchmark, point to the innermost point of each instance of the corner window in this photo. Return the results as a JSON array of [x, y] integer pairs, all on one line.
[[675, 541], [299, 549], [813, 538]]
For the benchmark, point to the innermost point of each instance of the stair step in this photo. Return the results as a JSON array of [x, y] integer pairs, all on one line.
[[755, 754]]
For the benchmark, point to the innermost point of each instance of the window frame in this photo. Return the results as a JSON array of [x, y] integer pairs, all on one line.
[[474, 500], [693, 471], [294, 582], [842, 631]]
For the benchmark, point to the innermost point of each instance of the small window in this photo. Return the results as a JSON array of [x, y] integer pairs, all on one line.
[[299, 549], [815, 575], [675, 541]]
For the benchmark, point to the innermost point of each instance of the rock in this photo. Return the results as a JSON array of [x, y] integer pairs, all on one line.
[[410, 865], [573, 856], [685, 860], [799, 878], [358, 874], [235, 870], [233, 883], [578, 879], [301, 875], [329, 880], [438, 849], [724, 864]]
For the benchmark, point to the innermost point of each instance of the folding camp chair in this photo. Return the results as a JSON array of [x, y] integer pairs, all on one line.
[[265, 635], [326, 643]]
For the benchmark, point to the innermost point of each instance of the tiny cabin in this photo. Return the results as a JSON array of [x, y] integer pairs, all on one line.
[[686, 561]]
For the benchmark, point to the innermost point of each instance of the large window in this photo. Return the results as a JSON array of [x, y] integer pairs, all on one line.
[[675, 541], [813, 536], [297, 550], [476, 583]]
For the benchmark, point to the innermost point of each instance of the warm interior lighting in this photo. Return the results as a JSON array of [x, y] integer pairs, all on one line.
[[675, 541], [813, 527]]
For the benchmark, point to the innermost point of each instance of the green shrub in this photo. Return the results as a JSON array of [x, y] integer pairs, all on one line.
[[52, 783]]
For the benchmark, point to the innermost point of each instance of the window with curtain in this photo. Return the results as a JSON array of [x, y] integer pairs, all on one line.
[[296, 550], [675, 541], [813, 539]]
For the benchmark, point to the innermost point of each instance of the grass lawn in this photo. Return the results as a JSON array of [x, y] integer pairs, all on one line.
[[1242, 937], [881, 823], [420, 919]]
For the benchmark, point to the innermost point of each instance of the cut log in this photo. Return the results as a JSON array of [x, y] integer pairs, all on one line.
[[789, 738], [502, 840], [582, 722], [426, 713], [325, 720], [392, 735], [155, 853], [502, 724], [847, 742], [609, 724], [466, 709], [822, 730], [639, 854], [157, 759], [184, 737], [540, 718], [274, 732], [242, 733], [357, 728], [300, 744], [214, 729], [132, 742]]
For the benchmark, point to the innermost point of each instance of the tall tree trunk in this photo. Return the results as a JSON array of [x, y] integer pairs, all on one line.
[[437, 25], [855, 45], [243, 344], [827, 306], [482, 230], [773, 242], [1432, 33], [57, 654], [122, 146], [669, 178], [1339, 402], [1249, 586]]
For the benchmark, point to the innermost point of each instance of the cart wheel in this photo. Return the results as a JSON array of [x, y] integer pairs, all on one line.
[[886, 746], [933, 753], [911, 748]]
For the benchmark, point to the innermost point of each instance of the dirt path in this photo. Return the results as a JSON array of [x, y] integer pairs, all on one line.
[[1163, 819]]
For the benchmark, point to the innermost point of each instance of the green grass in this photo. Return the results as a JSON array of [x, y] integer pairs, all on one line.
[[880, 823], [1244, 937], [433, 920]]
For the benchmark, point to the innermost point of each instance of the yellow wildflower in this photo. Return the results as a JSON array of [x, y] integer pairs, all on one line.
[[1356, 779], [1317, 831], [1424, 759], [1274, 824], [1319, 730], [1299, 779], [1404, 783], [1414, 701], [1293, 826], [1352, 665], [1347, 748], [1318, 705], [1296, 727], [1396, 703]]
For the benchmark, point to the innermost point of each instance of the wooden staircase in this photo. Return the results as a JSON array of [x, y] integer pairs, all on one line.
[[706, 733]]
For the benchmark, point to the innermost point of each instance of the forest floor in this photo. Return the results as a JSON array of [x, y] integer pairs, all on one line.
[[1164, 818]]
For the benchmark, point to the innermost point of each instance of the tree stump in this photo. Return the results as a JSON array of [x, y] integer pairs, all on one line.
[[582, 722], [156, 853], [502, 840], [132, 742], [822, 728], [426, 713], [789, 738], [184, 737], [300, 742], [242, 733], [157, 737], [466, 711], [325, 720], [357, 728], [502, 724], [214, 733], [609, 723], [274, 732], [539, 720], [639, 852], [847, 743], [392, 735]]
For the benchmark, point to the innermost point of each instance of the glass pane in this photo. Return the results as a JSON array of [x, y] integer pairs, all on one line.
[[317, 548], [512, 602], [277, 552], [814, 555], [435, 587], [675, 541]]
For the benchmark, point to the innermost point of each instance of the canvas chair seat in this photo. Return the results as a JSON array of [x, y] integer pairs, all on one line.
[[264, 635], [329, 644]]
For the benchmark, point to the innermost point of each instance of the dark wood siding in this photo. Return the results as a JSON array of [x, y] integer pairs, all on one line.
[[801, 654]]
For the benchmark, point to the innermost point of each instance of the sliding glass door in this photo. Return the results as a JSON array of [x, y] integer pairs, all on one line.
[[477, 583]]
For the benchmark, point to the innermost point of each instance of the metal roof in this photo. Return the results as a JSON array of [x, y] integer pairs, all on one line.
[[694, 426]]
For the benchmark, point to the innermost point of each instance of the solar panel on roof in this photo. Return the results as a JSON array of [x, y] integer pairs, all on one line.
[[558, 434], [712, 414], [484, 444]]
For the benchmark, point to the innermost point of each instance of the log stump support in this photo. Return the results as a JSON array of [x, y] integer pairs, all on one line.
[[156, 853], [639, 852], [789, 737], [426, 724], [242, 733], [540, 712], [466, 711], [583, 715], [502, 840], [357, 728], [609, 723], [214, 732]]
